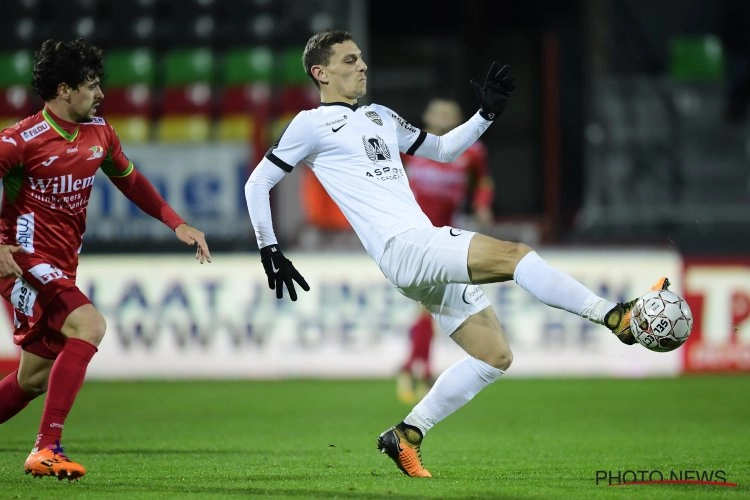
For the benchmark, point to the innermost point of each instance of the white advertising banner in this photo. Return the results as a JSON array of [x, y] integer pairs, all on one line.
[[169, 317], [204, 184]]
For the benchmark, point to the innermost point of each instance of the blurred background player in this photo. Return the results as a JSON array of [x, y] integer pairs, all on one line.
[[444, 191], [48, 162], [326, 227]]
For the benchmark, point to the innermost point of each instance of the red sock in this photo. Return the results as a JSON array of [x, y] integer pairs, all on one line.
[[13, 399], [65, 379], [421, 341], [421, 336]]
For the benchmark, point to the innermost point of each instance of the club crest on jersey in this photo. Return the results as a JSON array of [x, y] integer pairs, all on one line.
[[34, 131], [96, 152], [376, 149], [372, 115]]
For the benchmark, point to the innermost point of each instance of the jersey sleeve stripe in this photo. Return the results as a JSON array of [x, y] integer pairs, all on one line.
[[417, 143], [278, 162], [114, 173]]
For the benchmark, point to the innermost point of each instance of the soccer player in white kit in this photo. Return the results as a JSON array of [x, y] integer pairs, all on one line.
[[354, 152]]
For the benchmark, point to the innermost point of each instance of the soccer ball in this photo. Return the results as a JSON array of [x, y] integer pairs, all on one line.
[[661, 321]]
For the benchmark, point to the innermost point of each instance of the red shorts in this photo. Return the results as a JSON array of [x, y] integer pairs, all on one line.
[[41, 304]]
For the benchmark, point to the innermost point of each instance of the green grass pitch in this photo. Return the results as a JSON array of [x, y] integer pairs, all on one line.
[[518, 439]]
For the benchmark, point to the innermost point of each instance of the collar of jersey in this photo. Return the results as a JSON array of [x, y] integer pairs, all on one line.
[[353, 107], [68, 137]]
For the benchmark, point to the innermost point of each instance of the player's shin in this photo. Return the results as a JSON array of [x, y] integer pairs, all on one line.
[[455, 387], [66, 379], [13, 398]]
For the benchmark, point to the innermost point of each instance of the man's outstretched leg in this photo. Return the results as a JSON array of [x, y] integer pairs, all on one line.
[[492, 260], [482, 337]]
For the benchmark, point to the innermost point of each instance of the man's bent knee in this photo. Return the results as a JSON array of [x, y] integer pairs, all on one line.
[[500, 360], [521, 250], [85, 323]]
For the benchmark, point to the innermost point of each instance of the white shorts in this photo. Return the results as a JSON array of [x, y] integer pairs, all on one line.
[[430, 265]]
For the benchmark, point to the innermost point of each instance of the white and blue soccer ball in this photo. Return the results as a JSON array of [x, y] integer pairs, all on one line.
[[661, 321]]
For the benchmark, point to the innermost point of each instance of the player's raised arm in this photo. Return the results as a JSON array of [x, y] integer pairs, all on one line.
[[493, 95], [279, 269]]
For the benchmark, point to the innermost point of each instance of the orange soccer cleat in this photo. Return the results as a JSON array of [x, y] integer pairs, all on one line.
[[52, 461], [618, 319], [401, 444]]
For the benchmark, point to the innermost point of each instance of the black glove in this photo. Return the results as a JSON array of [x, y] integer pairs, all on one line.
[[493, 94], [280, 271]]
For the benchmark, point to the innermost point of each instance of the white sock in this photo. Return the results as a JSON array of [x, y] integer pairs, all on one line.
[[558, 289], [454, 388]]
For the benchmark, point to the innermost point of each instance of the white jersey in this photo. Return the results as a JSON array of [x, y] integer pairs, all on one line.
[[354, 152]]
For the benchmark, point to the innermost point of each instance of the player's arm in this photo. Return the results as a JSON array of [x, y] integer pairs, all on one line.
[[138, 189], [278, 268], [493, 96], [446, 148], [10, 156]]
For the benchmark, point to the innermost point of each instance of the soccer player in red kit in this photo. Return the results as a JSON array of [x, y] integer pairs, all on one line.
[[441, 189], [48, 162]]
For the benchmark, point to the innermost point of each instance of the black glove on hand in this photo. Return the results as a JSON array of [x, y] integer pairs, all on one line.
[[280, 271], [493, 94]]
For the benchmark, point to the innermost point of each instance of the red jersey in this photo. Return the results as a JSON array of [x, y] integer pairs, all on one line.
[[440, 188], [48, 171]]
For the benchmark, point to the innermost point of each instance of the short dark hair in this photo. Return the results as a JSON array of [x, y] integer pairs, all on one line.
[[319, 49], [72, 62]]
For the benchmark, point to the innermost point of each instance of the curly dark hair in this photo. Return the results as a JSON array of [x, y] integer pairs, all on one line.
[[72, 62], [319, 49]]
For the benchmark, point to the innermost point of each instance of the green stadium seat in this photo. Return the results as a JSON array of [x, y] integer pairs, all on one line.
[[15, 85], [186, 66], [126, 67], [290, 70], [696, 58], [15, 68], [242, 65]]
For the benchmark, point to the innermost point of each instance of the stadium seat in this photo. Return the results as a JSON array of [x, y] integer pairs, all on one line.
[[131, 129], [184, 128], [295, 90], [15, 80], [128, 93], [187, 105], [696, 58], [245, 96]]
